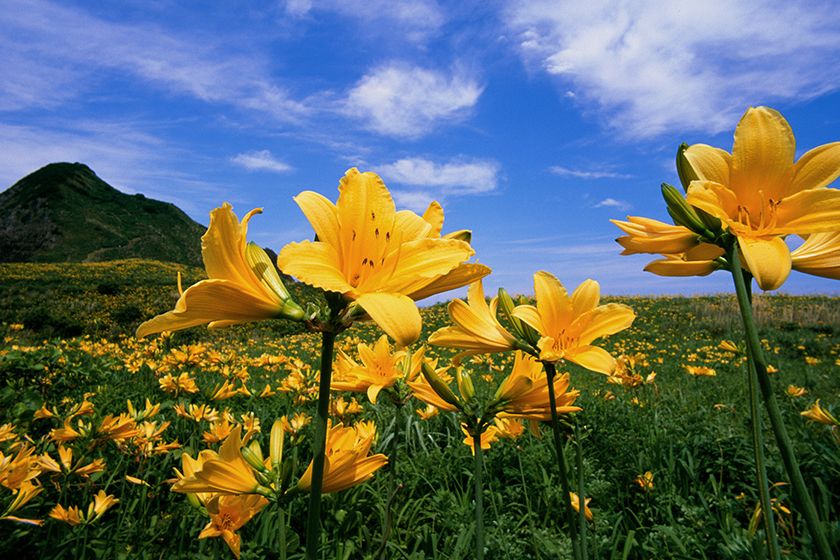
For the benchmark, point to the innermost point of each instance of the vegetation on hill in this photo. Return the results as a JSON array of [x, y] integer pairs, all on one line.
[[64, 212]]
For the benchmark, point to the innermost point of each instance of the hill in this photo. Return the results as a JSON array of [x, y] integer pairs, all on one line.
[[64, 212]]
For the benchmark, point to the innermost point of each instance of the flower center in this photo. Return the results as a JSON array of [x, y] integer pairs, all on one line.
[[760, 222]]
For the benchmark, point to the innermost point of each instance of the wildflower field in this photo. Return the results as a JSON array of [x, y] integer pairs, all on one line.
[[95, 419]]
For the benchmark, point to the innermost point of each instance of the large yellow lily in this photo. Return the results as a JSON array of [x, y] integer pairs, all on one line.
[[380, 258], [761, 195], [569, 325], [243, 284]]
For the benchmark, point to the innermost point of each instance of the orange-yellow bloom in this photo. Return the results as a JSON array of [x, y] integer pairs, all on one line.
[[347, 462], [228, 514], [645, 481], [477, 329], [818, 414], [700, 371], [524, 393], [227, 473], [243, 284], [488, 436], [380, 369], [761, 195], [375, 256], [569, 325], [575, 499]]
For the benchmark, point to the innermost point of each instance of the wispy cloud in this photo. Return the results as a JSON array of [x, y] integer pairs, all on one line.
[[456, 177], [408, 101], [655, 66], [581, 174], [613, 203], [414, 20], [261, 160], [52, 63]]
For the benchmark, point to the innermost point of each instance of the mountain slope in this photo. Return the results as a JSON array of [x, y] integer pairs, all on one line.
[[64, 212]]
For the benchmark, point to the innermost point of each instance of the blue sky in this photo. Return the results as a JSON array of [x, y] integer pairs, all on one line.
[[533, 123]]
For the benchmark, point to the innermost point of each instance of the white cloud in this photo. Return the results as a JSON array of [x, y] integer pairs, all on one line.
[[456, 177], [260, 160], [580, 174], [52, 63], [412, 20], [417, 201], [613, 203], [664, 65], [409, 101]]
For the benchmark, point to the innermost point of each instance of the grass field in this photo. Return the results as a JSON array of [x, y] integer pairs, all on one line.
[[67, 340]]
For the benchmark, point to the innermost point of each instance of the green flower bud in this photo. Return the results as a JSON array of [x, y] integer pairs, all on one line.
[[682, 213], [439, 387]]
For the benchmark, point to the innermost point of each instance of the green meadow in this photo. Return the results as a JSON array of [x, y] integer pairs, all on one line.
[[67, 333]]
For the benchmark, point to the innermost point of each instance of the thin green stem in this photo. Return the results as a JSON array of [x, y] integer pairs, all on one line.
[[550, 373], [319, 444], [801, 496], [393, 483], [760, 467], [581, 499], [479, 495]]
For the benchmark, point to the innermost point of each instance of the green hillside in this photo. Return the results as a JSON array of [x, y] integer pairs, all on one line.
[[64, 212]]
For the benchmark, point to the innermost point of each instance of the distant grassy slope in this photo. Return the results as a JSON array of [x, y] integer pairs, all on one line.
[[64, 212]]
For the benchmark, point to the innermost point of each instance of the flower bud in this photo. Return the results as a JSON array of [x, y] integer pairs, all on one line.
[[276, 443], [523, 330], [684, 169], [439, 387], [465, 384], [682, 213], [253, 458]]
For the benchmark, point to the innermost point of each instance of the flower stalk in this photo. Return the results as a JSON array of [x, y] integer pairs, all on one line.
[[801, 496], [551, 372], [478, 461], [580, 489]]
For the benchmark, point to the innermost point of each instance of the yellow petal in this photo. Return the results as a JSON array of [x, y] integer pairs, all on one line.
[[767, 259], [714, 199], [606, 320], [211, 300], [434, 216], [322, 214], [418, 264], [586, 297], [462, 275], [817, 168], [223, 246], [411, 226], [762, 155], [710, 164], [819, 255], [373, 392], [314, 263], [810, 211], [592, 358], [553, 303], [530, 315], [395, 313], [679, 267]]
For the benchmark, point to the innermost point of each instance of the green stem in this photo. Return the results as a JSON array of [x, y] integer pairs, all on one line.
[[801, 496], [581, 495], [760, 468], [479, 496], [319, 444], [550, 373], [393, 483]]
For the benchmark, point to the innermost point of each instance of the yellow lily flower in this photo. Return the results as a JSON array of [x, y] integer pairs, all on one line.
[[380, 258], [819, 255], [242, 283], [477, 329], [228, 473], [818, 414], [347, 462], [228, 514], [524, 393], [575, 499], [71, 515], [761, 195], [488, 436], [381, 369], [569, 325]]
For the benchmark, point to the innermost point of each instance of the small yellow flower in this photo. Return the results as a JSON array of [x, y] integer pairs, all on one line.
[[587, 513], [488, 436], [228, 514], [228, 473], [524, 393], [794, 391], [700, 371], [71, 515], [645, 481], [818, 414]]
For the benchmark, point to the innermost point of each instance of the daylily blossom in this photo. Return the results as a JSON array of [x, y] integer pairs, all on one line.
[[818, 414], [242, 283], [761, 195], [379, 370], [347, 460], [477, 328], [569, 325], [228, 514], [226, 473], [524, 393], [575, 499], [488, 436], [377, 257]]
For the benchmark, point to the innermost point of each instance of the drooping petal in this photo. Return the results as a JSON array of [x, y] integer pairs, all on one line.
[[530, 315], [209, 301], [679, 267], [553, 302], [592, 358], [315, 263], [710, 164], [395, 313], [762, 156], [322, 214], [767, 259], [817, 168], [462, 275]]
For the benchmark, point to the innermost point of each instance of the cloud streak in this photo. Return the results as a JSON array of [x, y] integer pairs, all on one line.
[[260, 160], [654, 66], [580, 174]]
